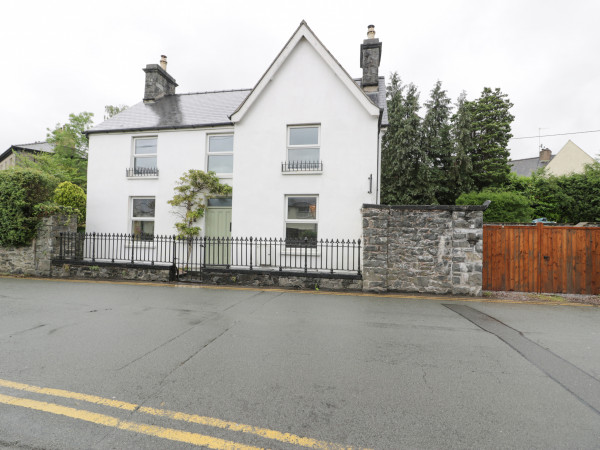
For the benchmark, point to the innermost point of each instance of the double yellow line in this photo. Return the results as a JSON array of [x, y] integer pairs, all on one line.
[[151, 430]]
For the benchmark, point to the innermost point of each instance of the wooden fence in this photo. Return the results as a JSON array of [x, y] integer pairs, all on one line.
[[541, 258]]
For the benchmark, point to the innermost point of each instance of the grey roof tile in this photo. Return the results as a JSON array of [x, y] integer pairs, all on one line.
[[176, 111], [525, 167], [36, 147]]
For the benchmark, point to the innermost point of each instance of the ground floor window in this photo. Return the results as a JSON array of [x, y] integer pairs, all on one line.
[[301, 219], [142, 217]]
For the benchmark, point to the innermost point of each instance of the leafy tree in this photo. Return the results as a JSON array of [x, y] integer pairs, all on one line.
[[460, 176], [69, 160], [190, 193], [491, 121], [406, 167], [436, 141], [21, 190], [506, 206], [71, 136], [110, 110], [69, 194]]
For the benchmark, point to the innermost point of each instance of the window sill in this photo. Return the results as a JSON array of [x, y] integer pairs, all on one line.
[[305, 172], [143, 177]]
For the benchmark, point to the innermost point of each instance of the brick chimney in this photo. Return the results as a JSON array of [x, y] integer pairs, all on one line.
[[370, 57], [545, 155], [158, 82]]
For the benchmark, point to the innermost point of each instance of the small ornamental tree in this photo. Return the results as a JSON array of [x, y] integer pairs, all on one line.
[[191, 191], [69, 194]]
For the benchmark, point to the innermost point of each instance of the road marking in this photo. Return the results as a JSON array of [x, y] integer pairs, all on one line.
[[287, 438], [109, 421]]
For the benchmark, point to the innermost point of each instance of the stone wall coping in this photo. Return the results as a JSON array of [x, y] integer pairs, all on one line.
[[125, 265], [285, 273], [482, 207]]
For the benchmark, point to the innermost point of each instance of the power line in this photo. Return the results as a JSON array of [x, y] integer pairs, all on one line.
[[559, 134]]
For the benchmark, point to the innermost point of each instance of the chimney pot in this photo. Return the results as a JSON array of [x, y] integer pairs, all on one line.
[[163, 62], [371, 32]]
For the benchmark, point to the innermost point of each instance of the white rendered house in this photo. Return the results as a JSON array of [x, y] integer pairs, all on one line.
[[301, 150]]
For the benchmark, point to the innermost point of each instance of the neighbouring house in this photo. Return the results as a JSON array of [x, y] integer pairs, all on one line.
[[569, 159], [9, 159], [301, 149]]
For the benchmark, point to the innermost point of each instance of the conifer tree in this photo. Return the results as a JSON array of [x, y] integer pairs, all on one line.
[[406, 168], [491, 122], [461, 169], [436, 142]]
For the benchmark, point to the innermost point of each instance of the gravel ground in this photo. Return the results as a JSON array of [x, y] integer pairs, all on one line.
[[549, 298]]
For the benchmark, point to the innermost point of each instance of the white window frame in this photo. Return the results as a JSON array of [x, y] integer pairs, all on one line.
[[287, 220], [289, 146], [134, 156], [133, 218], [208, 152]]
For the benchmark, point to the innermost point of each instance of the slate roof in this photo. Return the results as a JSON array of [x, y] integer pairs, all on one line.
[[33, 147], [525, 167], [195, 110]]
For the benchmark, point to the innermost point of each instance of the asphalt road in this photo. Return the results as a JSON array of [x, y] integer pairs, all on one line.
[[117, 366]]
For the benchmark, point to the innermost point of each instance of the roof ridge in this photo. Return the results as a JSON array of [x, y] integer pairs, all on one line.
[[212, 92], [523, 159], [31, 143]]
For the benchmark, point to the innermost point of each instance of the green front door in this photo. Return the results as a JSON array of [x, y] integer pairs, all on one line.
[[218, 232]]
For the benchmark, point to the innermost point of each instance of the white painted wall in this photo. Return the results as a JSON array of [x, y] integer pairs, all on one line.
[[109, 190], [305, 90]]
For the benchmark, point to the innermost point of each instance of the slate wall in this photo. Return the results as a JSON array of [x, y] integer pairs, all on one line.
[[34, 259], [428, 249]]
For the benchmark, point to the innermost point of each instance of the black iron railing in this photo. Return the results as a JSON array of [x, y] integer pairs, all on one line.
[[142, 172], [302, 166], [195, 254]]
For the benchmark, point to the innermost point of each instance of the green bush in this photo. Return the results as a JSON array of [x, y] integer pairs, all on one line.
[[507, 206], [20, 191], [71, 195]]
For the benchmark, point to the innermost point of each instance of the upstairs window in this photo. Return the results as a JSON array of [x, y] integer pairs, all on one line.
[[144, 157], [301, 219], [220, 153], [303, 149]]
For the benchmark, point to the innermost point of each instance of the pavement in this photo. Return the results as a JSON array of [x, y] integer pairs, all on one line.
[[140, 365]]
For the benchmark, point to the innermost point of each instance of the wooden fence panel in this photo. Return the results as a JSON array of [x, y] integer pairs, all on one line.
[[541, 258]]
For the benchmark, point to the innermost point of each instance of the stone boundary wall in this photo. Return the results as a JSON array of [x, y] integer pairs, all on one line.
[[112, 271], [428, 249], [273, 278], [209, 276], [34, 259]]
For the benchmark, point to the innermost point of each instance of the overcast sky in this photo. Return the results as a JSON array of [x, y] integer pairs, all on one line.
[[62, 57]]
